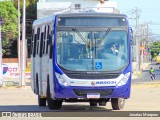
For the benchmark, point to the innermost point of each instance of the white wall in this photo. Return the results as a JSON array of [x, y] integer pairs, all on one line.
[[11, 70], [48, 7]]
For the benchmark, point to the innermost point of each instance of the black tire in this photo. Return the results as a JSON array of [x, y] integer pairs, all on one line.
[[93, 103], [102, 103], [117, 103], [53, 104], [41, 101]]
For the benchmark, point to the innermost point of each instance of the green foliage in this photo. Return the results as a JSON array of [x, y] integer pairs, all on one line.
[[9, 13], [9, 16], [31, 15], [31, 8], [10, 21], [155, 48]]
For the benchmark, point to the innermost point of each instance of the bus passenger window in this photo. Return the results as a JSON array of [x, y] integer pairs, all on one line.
[[47, 48], [45, 33], [38, 33], [41, 45], [50, 52], [32, 41], [37, 46], [48, 32], [35, 42]]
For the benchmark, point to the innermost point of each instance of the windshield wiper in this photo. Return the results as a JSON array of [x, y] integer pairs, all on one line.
[[103, 37], [79, 34]]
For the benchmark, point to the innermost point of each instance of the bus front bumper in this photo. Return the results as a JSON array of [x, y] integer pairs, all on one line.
[[62, 92]]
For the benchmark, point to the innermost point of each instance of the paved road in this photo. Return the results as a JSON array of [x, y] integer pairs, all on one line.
[[145, 76], [144, 97]]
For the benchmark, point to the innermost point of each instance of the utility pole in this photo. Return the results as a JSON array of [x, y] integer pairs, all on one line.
[[132, 24], [19, 46], [1, 78], [147, 43], [137, 39], [24, 44]]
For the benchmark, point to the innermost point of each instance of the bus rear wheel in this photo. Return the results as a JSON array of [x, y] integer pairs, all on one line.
[[93, 103], [41, 101], [102, 103], [117, 103]]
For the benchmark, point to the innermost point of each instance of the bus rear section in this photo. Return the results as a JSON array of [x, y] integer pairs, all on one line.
[[91, 61]]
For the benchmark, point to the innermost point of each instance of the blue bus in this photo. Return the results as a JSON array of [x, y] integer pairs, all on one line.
[[81, 57]]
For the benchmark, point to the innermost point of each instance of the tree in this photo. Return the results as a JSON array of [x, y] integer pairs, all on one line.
[[9, 28], [155, 48], [9, 13], [31, 15]]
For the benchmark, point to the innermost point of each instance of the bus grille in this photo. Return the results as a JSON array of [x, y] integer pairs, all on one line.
[[91, 76], [103, 92]]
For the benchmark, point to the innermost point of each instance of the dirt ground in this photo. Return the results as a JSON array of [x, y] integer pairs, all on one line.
[[144, 97]]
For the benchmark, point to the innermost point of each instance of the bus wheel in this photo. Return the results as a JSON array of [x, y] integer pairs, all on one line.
[[117, 103], [53, 104], [102, 103], [93, 103], [41, 101]]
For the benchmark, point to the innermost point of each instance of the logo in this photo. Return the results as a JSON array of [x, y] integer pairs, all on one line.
[[98, 65], [105, 82], [93, 83], [6, 114], [5, 68]]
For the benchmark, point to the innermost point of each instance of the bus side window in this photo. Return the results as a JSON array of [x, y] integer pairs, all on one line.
[[47, 47], [48, 36], [50, 44], [37, 46], [44, 39], [38, 36], [32, 41], [35, 42], [50, 52], [41, 45]]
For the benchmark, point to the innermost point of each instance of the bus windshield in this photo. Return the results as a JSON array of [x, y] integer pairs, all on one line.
[[92, 50]]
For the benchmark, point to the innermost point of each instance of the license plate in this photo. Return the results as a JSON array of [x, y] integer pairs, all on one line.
[[93, 95]]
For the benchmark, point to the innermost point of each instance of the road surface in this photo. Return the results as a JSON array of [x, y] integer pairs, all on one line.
[[145, 96], [145, 76]]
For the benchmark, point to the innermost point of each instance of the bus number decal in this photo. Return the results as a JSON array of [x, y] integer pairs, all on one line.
[[105, 82]]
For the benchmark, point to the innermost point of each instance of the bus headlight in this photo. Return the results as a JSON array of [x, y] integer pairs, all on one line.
[[62, 80], [124, 80]]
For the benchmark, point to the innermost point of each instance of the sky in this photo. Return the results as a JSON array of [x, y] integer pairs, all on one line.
[[149, 12]]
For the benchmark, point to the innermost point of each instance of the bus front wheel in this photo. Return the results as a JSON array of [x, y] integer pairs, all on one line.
[[53, 104], [117, 103]]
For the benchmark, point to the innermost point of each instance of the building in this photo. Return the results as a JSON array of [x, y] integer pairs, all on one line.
[[50, 7]]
